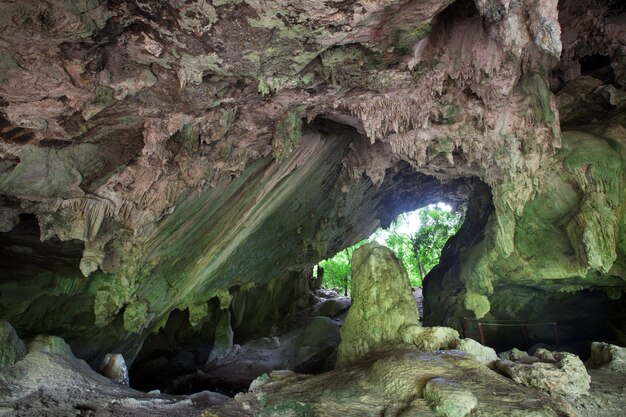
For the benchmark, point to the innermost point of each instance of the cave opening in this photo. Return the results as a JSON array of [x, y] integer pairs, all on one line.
[[232, 347], [416, 238]]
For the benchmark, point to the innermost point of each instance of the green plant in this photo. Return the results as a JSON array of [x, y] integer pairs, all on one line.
[[419, 251], [436, 227]]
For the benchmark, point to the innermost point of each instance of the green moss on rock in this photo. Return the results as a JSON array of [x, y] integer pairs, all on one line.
[[287, 135], [382, 307]]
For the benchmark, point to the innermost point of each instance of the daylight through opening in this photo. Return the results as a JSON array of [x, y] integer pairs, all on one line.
[[416, 238]]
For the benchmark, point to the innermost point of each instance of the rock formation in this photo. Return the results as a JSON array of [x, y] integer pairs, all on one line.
[[383, 311], [50, 381], [175, 169], [554, 372], [114, 367], [608, 357], [397, 382]]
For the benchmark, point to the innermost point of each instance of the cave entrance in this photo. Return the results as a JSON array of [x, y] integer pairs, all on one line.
[[416, 237]]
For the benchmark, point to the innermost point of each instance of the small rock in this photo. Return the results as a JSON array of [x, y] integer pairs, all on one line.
[[114, 367], [279, 375], [566, 376], [334, 306], [536, 347], [259, 382], [435, 338], [449, 399], [529, 360], [544, 355], [513, 354], [50, 344], [481, 353]]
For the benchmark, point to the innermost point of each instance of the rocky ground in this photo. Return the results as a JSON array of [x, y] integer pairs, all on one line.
[[401, 382], [44, 378], [50, 381], [606, 397]]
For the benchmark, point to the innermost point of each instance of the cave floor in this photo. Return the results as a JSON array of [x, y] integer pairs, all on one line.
[[398, 382], [607, 395]]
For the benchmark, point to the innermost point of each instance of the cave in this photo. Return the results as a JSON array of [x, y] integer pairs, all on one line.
[[172, 172]]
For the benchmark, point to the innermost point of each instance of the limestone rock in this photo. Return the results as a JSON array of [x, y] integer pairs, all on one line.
[[481, 353], [50, 381], [224, 335], [608, 356], [434, 338], [53, 345], [512, 354], [544, 355], [114, 367], [12, 348], [383, 307], [449, 399], [401, 382], [259, 382], [559, 373]]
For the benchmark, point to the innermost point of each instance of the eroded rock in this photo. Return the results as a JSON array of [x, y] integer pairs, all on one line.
[[12, 348], [383, 311], [608, 357], [553, 372], [401, 382], [50, 381], [449, 399], [383, 307], [114, 367], [513, 354], [481, 353]]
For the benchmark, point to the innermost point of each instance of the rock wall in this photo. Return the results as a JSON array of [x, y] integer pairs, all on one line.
[[567, 258]]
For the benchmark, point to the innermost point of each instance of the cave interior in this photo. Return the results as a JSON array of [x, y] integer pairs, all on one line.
[[171, 173]]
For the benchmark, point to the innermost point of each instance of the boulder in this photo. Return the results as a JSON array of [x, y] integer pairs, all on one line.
[[558, 373], [382, 308], [114, 367], [12, 349], [383, 311], [608, 357], [434, 338], [449, 399], [512, 354], [481, 353]]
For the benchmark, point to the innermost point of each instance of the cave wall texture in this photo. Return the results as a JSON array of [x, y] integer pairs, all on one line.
[[159, 156]]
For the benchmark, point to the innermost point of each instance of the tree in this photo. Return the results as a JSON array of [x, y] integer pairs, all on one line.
[[436, 227], [402, 246], [419, 251], [338, 269]]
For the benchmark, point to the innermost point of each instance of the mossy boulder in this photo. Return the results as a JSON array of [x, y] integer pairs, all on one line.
[[382, 304]]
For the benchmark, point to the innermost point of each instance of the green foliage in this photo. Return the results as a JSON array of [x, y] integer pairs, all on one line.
[[338, 269], [400, 244], [436, 227], [419, 251]]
